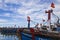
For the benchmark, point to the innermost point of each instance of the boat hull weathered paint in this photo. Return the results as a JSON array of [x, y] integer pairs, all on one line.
[[44, 33]]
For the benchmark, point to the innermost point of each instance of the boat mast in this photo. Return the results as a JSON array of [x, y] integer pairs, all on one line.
[[49, 19], [28, 19], [49, 16]]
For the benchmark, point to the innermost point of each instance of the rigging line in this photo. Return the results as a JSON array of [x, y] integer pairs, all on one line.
[[34, 22], [56, 16]]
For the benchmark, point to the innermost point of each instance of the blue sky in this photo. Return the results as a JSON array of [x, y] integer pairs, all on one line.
[[16, 11]]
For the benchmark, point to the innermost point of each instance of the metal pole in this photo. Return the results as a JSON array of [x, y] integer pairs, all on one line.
[[32, 32], [28, 24], [28, 19], [49, 19]]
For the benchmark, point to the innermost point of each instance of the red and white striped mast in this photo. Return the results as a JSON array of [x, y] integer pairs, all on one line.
[[28, 19], [49, 16]]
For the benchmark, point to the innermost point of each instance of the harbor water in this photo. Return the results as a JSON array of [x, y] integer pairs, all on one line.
[[10, 36], [16, 37]]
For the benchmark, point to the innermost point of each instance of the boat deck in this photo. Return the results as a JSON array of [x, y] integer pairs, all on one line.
[[44, 33]]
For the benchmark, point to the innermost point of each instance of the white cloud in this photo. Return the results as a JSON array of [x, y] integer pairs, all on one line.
[[58, 1], [35, 11], [31, 8], [3, 21], [6, 15], [23, 11], [12, 1]]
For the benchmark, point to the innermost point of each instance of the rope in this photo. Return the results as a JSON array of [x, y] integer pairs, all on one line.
[[33, 22], [56, 16]]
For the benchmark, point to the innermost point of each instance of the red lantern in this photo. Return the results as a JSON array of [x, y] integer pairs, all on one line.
[[52, 5]]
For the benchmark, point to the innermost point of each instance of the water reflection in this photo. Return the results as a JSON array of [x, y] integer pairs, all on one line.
[[10, 36], [17, 36]]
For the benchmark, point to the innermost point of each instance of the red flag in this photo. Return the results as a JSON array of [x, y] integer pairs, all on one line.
[[52, 5]]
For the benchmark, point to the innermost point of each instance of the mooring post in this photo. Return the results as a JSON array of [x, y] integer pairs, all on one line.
[[32, 32]]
